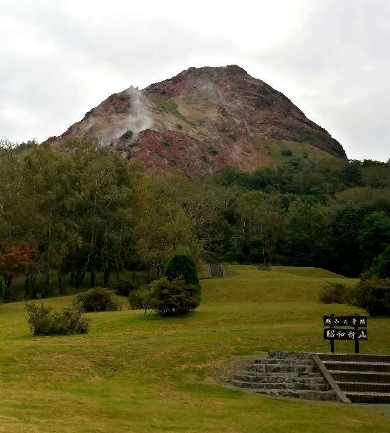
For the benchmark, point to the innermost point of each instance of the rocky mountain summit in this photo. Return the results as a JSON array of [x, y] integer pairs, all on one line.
[[201, 120]]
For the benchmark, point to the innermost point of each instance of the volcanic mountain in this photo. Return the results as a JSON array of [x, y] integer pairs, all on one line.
[[202, 120]]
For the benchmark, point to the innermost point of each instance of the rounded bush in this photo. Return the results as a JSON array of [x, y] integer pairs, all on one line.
[[182, 266], [381, 264], [124, 289], [139, 299], [98, 299], [173, 298], [333, 293], [373, 295], [45, 321]]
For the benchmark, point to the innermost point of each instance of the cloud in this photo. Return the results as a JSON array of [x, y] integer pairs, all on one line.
[[60, 59]]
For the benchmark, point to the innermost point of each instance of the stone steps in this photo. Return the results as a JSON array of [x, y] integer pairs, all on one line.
[[354, 358], [273, 361], [285, 374], [346, 378], [364, 387], [362, 378], [357, 366], [286, 357], [369, 397], [282, 385], [282, 368], [302, 394], [250, 376]]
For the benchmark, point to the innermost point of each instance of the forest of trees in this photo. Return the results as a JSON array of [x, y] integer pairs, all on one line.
[[85, 211]]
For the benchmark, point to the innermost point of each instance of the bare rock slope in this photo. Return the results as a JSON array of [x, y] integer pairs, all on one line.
[[201, 120]]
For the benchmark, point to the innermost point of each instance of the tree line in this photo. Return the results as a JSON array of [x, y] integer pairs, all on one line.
[[85, 211]]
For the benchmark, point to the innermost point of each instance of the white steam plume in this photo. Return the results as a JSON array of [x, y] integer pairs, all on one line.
[[137, 119], [140, 118]]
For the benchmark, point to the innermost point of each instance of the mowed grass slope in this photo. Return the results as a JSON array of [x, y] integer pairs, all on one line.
[[141, 374]]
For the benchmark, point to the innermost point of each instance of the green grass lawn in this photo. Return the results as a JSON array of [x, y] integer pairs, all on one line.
[[135, 373]]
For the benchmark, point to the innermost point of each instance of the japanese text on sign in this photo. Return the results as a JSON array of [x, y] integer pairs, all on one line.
[[355, 321], [345, 334]]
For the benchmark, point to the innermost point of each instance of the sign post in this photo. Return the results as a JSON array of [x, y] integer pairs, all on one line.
[[334, 329], [357, 342]]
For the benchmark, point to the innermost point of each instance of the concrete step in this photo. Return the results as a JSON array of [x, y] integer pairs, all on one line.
[[273, 361], [303, 394], [360, 376], [318, 395], [283, 373], [278, 368], [281, 385], [369, 397], [357, 366], [250, 376], [289, 355], [364, 387], [354, 358]]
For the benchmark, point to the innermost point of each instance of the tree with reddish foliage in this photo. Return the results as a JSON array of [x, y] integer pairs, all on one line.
[[18, 260]]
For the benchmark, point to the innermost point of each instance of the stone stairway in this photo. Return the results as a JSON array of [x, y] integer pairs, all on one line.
[[362, 378], [285, 374]]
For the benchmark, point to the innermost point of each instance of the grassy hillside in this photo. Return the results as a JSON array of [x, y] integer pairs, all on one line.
[[280, 152], [135, 373]]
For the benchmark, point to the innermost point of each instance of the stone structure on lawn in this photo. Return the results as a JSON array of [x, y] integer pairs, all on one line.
[[214, 270], [344, 378]]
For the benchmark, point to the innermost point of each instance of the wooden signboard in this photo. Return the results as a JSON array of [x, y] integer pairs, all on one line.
[[334, 329], [345, 334], [355, 321]]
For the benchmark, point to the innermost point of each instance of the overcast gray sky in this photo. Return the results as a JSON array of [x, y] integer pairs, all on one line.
[[59, 59]]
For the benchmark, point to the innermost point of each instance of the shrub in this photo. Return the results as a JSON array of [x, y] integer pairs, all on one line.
[[98, 299], [173, 298], [286, 152], [45, 321], [373, 295], [2, 287], [182, 265], [333, 293], [122, 288], [212, 151], [381, 264], [139, 299]]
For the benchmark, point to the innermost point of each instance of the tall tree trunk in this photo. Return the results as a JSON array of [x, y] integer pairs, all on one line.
[[106, 275], [63, 289], [79, 279], [8, 281], [93, 278], [27, 285], [47, 280], [133, 277]]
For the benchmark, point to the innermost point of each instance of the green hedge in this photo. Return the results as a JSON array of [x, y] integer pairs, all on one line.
[[98, 299], [46, 321]]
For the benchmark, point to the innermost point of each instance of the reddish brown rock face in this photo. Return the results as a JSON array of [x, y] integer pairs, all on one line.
[[201, 120]]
